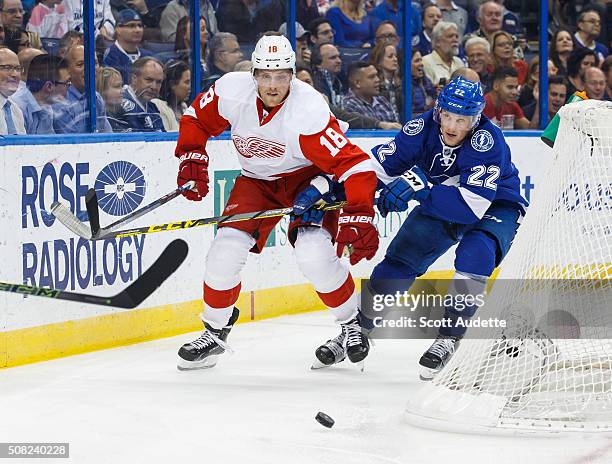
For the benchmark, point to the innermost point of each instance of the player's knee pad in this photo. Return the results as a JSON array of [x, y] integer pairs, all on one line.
[[476, 254], [316, 257], [226, 258], [390, 276]]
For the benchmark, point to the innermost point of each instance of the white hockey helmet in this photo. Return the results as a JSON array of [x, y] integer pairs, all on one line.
[[273, 52]]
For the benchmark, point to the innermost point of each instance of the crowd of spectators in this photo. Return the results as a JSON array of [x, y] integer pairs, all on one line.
[[349, 50]]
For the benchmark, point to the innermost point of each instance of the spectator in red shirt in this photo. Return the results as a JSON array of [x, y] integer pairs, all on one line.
[[501, 103]]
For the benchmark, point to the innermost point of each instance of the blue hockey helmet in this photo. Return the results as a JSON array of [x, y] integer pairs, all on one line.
[[461, 96]]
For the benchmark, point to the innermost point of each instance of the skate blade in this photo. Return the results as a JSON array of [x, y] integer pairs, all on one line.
[[427, 374], [184, 365], [361, 365], [316, 364]]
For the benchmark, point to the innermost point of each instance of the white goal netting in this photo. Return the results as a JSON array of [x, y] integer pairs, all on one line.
[[550, 369]]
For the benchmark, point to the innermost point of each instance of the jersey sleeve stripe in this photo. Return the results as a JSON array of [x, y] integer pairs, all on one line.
[[476, 203], [363, 166]]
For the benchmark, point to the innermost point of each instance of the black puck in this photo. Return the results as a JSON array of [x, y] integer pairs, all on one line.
[[324, 420]]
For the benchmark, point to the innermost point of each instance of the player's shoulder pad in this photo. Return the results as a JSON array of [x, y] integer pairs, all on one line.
[[487, 137], [234, 86], [416, 126], [308, 112]]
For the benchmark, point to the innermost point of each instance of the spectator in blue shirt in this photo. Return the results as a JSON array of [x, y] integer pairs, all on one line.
[[126, 49], [138, 112], [47, 83], [70, 117], [432, 15], [390, 10], [354, 28], [589, 28]]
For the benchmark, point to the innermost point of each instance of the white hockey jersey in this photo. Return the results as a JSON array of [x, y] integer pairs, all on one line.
[[296, 134]]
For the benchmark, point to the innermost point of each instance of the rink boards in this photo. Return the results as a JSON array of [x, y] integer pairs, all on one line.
[[37, 250]]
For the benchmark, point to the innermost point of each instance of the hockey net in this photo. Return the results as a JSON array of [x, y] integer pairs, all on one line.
[[550, 369]]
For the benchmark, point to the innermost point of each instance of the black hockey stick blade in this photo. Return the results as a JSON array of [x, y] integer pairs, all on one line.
[[163, 267], [91, 203]]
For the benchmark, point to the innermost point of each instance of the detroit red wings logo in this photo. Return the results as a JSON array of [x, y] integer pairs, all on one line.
[[259, 148]]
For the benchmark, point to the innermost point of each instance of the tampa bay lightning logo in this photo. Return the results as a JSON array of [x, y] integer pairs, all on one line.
[[120, 188], [482, 140], [414, 126], [127, 105]]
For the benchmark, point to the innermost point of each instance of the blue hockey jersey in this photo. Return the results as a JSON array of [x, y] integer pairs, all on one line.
[[466, 179], [135, 115], [116, 57]]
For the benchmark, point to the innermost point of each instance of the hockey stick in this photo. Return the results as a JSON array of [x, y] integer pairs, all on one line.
[[163, 267], [208, 221], [66, 217]]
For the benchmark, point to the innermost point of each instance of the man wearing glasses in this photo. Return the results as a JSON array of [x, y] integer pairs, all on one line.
[[47, 84], [11, 117], [11, 12], [388, 10], [70, 117], [589, 28], [321, 31], [126, 49]]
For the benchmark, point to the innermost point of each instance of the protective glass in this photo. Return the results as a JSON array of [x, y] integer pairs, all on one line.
[[456, 121], [269, 79]]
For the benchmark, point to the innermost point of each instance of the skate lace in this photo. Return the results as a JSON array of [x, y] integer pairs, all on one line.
[[203, 341], [208, 338], [337, 345], [443, 346], [352, 333]]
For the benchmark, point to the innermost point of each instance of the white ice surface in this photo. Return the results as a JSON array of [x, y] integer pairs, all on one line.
[[131, 405]]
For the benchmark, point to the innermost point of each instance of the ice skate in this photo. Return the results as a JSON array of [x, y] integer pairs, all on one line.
[[331, 352], [437, 356], [204, 351], [352, 342]]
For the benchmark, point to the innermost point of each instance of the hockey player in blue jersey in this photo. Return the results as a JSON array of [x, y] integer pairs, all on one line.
[[457, 165]]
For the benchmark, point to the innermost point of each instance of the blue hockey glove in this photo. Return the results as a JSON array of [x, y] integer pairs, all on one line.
[[320, 191], [412, 185]]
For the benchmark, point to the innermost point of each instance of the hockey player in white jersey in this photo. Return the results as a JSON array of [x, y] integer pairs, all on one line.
[[286, 138]]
